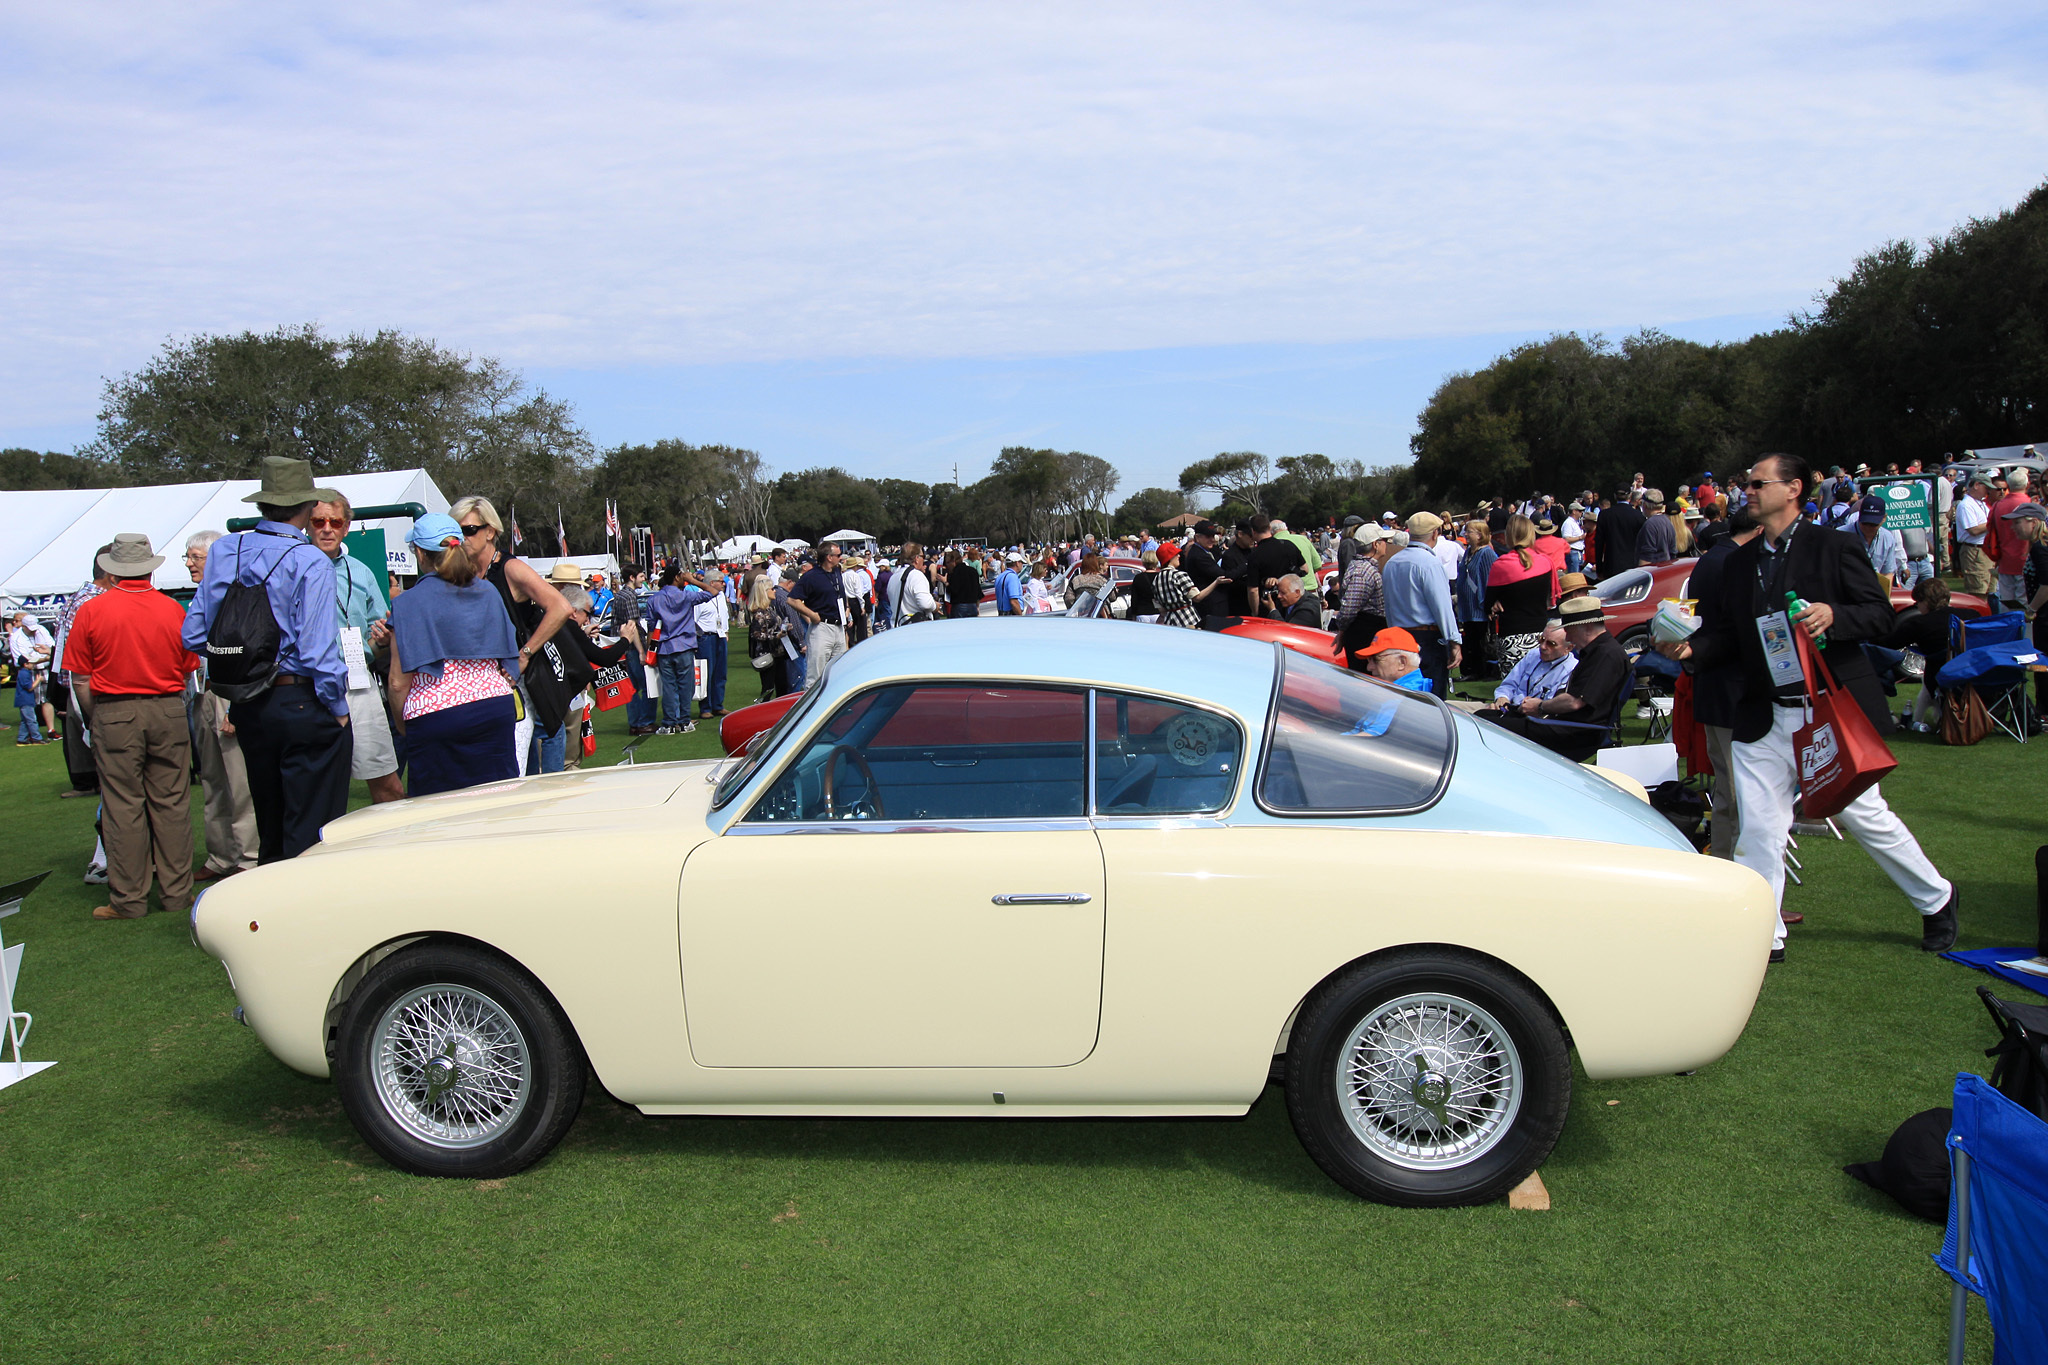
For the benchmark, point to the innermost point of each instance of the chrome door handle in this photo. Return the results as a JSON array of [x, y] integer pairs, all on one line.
[[1041, 898]]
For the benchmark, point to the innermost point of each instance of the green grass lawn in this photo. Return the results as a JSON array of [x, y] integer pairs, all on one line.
[[172, 1193]]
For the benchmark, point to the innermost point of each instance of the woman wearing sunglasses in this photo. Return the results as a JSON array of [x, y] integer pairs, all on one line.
[[535, 608], [453, 662]]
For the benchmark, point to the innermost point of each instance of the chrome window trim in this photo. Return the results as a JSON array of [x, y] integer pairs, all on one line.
[[1061, 825], [1443, 781]]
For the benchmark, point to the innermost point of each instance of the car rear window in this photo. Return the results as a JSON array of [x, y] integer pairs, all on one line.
[[1340, 743]]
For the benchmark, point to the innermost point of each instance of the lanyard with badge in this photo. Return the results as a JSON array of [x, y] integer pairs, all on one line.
[[1774, 628], [352, 636]]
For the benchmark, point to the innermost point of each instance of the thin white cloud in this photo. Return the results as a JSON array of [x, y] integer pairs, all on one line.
[[608, 185]]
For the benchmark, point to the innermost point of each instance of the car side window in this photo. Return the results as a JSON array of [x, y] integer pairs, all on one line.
[[939, 752], [1156, 757]]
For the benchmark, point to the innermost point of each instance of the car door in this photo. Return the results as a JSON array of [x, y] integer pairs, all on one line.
[[920, 887]]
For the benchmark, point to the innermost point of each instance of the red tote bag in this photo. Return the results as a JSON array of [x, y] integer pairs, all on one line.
[[614, 687], [1841, 755]]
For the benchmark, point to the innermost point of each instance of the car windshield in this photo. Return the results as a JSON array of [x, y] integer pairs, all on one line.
[[762, 745], [1340, 743]]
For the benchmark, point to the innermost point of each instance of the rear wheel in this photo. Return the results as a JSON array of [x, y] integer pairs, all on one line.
[[1426, 1078], [455, 1062]]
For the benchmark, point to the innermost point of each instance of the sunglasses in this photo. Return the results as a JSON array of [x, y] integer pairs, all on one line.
[[469, 530], [335, 523], [1758, 485]]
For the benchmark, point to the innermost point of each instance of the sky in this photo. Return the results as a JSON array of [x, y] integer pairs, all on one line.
[[897, 237]]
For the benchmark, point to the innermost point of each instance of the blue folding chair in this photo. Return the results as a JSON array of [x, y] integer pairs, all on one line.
[[1998, 1223], [1999, 672], [1968, 632]]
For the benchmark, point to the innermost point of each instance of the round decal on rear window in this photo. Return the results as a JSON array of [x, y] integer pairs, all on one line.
[[1194, 739]]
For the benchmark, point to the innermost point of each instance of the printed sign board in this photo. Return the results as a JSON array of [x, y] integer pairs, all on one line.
[[1908, 504]]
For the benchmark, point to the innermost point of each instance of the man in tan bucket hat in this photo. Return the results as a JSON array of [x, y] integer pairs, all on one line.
[[128, 670]]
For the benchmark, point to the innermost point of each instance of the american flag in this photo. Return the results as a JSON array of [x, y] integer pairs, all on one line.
[[516, 537], [611, 518]]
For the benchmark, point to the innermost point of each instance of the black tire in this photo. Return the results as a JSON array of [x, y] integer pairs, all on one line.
[[1355, 1132], [464, 1119]]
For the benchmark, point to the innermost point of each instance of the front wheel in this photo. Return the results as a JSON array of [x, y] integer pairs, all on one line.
[[1428, 1078], [455, 1062]]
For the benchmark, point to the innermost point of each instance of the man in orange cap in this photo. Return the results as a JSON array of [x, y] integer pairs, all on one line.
[[1395, 656]]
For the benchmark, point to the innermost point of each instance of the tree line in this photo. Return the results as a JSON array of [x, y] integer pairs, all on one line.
[[214, 406], [1919, 351]]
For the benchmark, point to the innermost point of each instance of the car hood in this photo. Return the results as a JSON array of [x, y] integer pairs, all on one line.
[[555, 801]]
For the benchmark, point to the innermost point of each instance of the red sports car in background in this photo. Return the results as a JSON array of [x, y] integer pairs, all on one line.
[[1633, 594]]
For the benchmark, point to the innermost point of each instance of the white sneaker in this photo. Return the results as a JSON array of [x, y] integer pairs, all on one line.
[[95, 875], [1645, 711]]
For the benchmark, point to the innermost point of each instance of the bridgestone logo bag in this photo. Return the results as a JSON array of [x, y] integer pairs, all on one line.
[[1840, 754], [242, 639], [614, 687]]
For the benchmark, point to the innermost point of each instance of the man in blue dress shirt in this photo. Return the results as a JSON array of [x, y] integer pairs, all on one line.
[[1418, 598], [1541, 673], [295, 737], [673, 611]]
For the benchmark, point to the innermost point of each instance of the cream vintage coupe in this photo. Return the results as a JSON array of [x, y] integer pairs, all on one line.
[[1017, 870]]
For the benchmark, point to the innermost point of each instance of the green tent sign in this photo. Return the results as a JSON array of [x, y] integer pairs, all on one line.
[[1908, 504], [367, 549]]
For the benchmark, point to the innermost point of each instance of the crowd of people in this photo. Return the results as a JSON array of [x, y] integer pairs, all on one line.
[[294, 669]]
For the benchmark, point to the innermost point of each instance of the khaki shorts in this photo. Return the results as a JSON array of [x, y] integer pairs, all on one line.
[[1975, 567], [373, 754]]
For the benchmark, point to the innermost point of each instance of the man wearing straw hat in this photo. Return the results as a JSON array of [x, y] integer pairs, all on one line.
[[295, 734], [128, 668]]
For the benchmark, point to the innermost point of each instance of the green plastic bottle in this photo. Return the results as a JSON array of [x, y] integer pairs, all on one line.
[[1794, 604]]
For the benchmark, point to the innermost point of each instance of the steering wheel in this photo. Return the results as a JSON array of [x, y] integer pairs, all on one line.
[[873, 799]]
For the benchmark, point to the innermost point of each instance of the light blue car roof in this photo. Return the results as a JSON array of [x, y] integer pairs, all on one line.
[[1201, 665]]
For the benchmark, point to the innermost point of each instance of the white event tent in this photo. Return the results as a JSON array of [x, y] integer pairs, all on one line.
[[744, 545], [48, 536], [586, 565]]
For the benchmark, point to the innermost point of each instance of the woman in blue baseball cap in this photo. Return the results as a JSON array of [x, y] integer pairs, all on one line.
[[453, 661]]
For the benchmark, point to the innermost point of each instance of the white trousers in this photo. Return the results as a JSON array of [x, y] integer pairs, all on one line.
[[826, 643], [1767, 783]]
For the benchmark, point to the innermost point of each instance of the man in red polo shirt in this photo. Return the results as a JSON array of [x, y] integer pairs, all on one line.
[[128, 668], [2008, 551]]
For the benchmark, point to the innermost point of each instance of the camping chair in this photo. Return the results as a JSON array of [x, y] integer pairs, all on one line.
[[1650, 666], [1999, 672], [1593, 736], [1968, 632], [1997, 1241]]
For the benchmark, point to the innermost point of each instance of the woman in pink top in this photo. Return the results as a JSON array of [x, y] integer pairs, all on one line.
[[1518, 594]]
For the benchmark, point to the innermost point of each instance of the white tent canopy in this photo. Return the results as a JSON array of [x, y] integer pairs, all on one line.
[[794, 544], [744, 545], [861, 537], [48, 536], [606, 564]]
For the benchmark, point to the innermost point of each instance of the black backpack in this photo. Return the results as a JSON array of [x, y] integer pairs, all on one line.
[[242, 639]]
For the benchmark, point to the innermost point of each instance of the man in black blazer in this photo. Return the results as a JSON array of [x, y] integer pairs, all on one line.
[[1617, 537], [1717, 689], [1846, 603]]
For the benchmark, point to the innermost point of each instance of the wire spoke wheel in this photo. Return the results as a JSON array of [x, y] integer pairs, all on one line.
[[1429, 1081], [450, 1066]]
